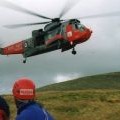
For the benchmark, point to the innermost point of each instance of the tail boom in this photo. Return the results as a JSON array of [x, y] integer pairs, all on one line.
[[17, 48]]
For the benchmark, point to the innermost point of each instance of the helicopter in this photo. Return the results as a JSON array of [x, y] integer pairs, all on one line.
[[57, 34]]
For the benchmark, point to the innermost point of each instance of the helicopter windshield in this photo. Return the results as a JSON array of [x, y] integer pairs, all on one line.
[[77, 25], [81, 27]]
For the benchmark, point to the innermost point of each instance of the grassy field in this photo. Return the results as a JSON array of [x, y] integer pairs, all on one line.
[[79, 104], [88, 103]]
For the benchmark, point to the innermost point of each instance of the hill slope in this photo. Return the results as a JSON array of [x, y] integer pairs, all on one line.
[[104, 81], [66, 100]]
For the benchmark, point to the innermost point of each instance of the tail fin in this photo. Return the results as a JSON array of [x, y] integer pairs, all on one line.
[[1, 50]]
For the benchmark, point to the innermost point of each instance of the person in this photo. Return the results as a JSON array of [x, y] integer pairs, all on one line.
[[27, 107], [4, 109]]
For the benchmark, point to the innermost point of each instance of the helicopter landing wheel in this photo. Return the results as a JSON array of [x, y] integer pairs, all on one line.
[[24, 61], [74, 52]]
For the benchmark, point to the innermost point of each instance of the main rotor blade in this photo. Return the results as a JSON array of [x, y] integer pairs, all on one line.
[[117, 13], [24, 25], [69, 5], [15, 7]]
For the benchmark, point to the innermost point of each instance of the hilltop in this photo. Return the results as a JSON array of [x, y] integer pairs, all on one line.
[[103, 81]]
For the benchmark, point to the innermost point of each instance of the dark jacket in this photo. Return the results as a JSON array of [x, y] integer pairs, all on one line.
[[33, 111], [4, 106]]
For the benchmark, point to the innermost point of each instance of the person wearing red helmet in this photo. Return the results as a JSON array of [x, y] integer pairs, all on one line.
[[4, 109], [24, 96]]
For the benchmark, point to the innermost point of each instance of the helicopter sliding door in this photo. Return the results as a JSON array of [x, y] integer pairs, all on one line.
[[52, 37]]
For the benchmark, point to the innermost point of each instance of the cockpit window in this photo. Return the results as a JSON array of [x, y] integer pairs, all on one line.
[[76, 26], [81, 27]]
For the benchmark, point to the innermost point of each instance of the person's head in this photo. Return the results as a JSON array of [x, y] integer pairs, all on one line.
[[23, 90], [4, 109]]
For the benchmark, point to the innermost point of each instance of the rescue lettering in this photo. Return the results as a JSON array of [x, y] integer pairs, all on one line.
[[26, 91]]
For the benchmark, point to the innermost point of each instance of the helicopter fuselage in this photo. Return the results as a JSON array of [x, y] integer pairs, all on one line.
[[57, 35]]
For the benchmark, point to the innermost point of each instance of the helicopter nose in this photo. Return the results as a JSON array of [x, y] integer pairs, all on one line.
[[88, 33]]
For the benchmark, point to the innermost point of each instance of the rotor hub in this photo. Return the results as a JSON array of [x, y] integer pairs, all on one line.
[[56, 20]]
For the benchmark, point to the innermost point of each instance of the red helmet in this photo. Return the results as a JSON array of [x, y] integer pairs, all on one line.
[[24, 89]]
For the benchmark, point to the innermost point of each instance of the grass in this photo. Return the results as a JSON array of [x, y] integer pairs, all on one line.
[[79, 104], [89, 98], [104, 81]]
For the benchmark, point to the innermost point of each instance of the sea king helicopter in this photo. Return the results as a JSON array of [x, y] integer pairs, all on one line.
[[57, 34]]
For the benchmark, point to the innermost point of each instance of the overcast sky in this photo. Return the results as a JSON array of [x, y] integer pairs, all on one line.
[[100, 54]]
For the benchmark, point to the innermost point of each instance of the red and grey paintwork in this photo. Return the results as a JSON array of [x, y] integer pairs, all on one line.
[[68, 38]]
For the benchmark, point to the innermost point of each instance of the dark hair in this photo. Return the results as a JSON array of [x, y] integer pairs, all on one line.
[[4, 106]]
